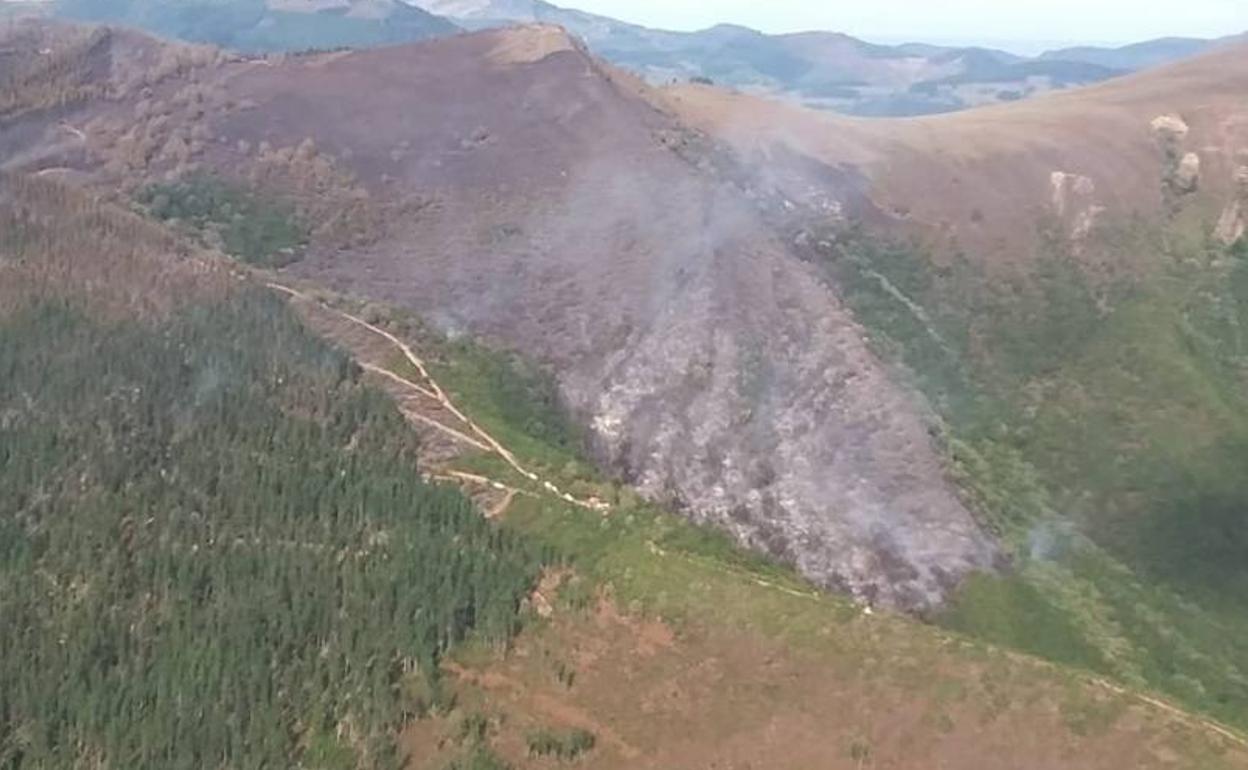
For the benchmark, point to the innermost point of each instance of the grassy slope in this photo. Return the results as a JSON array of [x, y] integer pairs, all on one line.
[[656, 564], [1102, 430]]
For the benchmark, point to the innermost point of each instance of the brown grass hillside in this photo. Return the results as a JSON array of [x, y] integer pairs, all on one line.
[[981, 178]]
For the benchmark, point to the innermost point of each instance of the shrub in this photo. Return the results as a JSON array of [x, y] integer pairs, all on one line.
[[479, 758], [561, 745], [245, 225]]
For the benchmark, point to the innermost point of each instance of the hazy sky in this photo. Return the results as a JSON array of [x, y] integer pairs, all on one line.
[[1022, 23]]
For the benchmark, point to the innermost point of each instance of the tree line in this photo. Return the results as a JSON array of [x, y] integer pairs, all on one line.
[[215, 548]]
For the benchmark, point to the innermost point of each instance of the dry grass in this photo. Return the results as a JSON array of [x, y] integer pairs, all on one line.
[[54, 238], [978, 180], [52, 74], [705, 695], [530, 45]]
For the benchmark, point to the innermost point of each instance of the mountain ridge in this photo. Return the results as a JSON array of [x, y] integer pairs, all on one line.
[[828, 69], [949, 147], [1142, 55], [268, 25]]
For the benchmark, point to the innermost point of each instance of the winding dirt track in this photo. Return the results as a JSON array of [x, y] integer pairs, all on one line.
[[483, 440], [1179, 714]]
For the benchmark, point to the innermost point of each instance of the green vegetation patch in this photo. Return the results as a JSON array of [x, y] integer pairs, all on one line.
[[565, 745], [1013, 612], [1101, 428], [244, 224], [216, 549], [478, 758], [507, 391]]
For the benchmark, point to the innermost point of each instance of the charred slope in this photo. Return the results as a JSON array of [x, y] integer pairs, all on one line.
[[533, 197], [716, 372]]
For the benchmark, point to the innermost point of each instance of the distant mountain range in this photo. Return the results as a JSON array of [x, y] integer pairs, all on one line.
[[826, 70], [1137, 56], [269, 25], [829, 70]]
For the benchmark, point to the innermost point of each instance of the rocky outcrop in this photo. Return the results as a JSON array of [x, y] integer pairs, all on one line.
[[1233, 224], [1180, 173], [1074, 205]]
